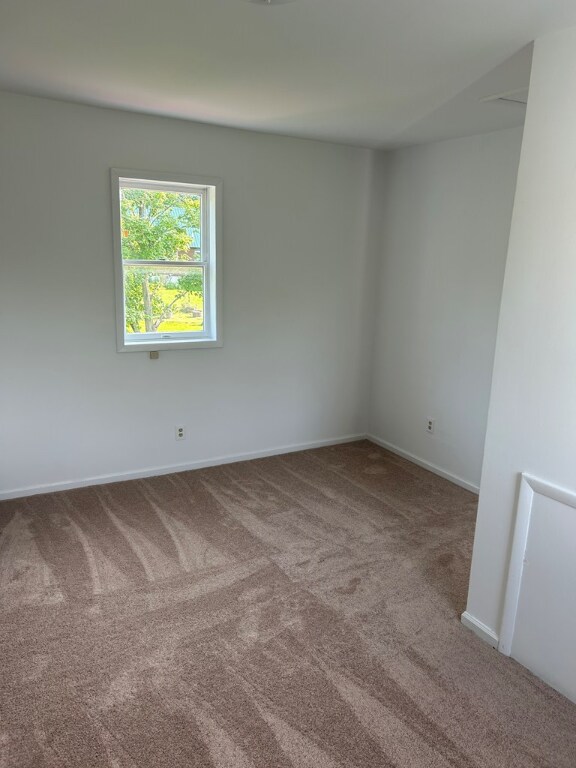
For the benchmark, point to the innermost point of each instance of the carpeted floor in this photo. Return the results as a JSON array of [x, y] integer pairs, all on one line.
[[297, 611]]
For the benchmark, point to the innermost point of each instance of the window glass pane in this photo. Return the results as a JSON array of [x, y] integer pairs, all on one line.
[[163, 298], [160, 224]]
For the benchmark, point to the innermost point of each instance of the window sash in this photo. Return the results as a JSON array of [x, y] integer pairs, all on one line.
[[166, 267], [164, 264]]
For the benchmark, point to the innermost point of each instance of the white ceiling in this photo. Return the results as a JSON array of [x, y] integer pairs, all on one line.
[[368, 72]]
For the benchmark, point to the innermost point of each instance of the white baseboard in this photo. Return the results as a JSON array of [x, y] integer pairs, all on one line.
[[479, 628], [425, 464], [169, 469]]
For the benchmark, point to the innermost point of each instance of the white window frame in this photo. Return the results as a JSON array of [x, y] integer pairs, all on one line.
[[210, 189]]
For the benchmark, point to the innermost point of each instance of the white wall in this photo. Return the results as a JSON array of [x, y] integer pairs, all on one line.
[[296, 238], [532, 418], [445, 221]]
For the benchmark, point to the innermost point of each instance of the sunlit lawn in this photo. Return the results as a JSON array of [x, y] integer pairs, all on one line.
[[181, 318]]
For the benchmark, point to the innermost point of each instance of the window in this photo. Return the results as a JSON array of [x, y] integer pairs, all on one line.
[[166, 245]]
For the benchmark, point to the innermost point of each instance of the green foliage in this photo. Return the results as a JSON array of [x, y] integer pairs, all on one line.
[[191, 282], [157, 226], [134, 304]]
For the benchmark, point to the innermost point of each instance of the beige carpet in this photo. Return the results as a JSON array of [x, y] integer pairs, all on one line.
[[299, 611]]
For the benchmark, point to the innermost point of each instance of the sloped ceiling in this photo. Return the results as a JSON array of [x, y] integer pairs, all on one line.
[[368, 72]]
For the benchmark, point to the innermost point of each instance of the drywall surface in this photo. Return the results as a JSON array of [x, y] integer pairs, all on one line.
[[371, 294], [544, 635], [532, 417], [445, 223], [295, 257]]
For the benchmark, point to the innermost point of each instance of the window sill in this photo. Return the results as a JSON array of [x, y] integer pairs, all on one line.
[[165, 345]]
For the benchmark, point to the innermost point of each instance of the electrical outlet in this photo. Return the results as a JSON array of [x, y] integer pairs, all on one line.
[[180, 433], [430, 423]]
